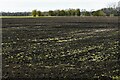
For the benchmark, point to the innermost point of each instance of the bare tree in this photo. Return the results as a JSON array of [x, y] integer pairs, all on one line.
[[112, 5]]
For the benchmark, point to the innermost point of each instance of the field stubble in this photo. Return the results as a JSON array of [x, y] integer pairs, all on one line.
[[37, 48]]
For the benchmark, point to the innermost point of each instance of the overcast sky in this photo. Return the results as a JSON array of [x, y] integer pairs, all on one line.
[[45, 5]]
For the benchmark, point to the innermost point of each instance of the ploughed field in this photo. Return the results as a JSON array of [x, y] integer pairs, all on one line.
[[64, 47]]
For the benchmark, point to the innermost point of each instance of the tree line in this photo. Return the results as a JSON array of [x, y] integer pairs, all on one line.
[[16, 13], [111, 11], [78, 12], [69, 12]]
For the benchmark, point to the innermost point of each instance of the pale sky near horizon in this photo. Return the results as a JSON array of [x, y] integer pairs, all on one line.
[[45, 5]]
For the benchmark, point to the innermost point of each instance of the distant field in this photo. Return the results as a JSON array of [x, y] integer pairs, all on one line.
[[61, 47], [53, 16], [24, 16], [15, 16]]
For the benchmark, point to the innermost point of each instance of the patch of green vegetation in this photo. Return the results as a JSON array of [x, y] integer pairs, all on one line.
[[116, 77]]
